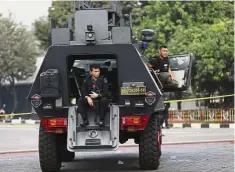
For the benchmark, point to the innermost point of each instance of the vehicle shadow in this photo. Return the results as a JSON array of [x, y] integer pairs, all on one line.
[[177, 158], [103, 162]]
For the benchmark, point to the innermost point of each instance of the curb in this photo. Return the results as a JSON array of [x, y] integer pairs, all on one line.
[[18, 151], [199, 142], [136, 145], [20, 121], [202, 125], [187, 142], [36, 150]]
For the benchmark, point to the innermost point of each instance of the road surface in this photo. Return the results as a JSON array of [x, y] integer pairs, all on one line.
[[217, 157], [17, 139]]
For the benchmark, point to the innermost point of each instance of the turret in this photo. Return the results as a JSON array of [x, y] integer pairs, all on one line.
[[94, 26]]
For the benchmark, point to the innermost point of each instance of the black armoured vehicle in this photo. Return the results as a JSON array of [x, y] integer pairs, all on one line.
[[135, 93]]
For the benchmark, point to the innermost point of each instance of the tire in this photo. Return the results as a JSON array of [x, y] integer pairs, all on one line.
[[159, 140], [149, 147], [49, 156], [67, 156]]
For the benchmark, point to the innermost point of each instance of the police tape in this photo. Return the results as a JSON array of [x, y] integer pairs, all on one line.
[[168, 101], [203, 98], [16, 114]]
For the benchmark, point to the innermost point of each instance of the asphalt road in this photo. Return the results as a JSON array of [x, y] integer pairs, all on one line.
[[18, 139], [217, 157]]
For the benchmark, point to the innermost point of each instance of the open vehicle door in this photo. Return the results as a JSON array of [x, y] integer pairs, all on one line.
[[181, 66]]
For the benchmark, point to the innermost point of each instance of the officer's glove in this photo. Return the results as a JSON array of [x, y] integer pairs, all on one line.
[[93, 95]]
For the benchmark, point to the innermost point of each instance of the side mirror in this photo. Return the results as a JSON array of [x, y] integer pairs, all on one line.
[[147, 35]]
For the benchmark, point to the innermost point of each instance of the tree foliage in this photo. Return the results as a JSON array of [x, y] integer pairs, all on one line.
[[42, 32], [202, 28], [59, 12], [17, 53]]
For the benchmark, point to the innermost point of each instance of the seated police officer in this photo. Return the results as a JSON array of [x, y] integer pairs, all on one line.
[[161, 64], [95, 89]]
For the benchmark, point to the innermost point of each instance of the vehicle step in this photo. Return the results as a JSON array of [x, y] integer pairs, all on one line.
[[90, 147], [93, 127], [93, 142]]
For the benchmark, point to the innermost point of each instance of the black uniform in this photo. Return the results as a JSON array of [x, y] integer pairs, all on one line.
[[165, 114], [163, 65], [100, 104], [160, 64]]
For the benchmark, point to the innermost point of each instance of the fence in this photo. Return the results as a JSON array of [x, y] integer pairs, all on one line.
[[205, 115]]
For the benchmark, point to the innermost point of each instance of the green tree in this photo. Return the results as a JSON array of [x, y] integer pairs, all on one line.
[[59, 12], [211, 40], [203, 28], [17, 54], [42, 32]]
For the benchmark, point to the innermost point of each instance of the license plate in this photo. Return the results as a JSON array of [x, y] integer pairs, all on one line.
[[133, 90]]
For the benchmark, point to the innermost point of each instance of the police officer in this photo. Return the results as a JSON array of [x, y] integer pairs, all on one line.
[[94, 94], [161, 64], [165, 114]]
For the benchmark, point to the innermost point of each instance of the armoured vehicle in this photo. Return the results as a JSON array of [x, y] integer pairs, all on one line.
[[135, 94]]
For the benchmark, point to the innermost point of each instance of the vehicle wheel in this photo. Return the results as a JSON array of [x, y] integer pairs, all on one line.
[[149, 151], [67, 156], [159, 140], [48, 151]]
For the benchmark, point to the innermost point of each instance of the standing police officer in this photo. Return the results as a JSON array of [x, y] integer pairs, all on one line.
[[165, 114], [161, 64], [94, 94]]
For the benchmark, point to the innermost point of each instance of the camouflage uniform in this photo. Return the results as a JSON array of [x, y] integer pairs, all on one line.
[[165, 78], [162, 66]]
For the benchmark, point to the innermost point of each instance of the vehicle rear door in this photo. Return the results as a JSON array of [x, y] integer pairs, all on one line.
[[181, 66]]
